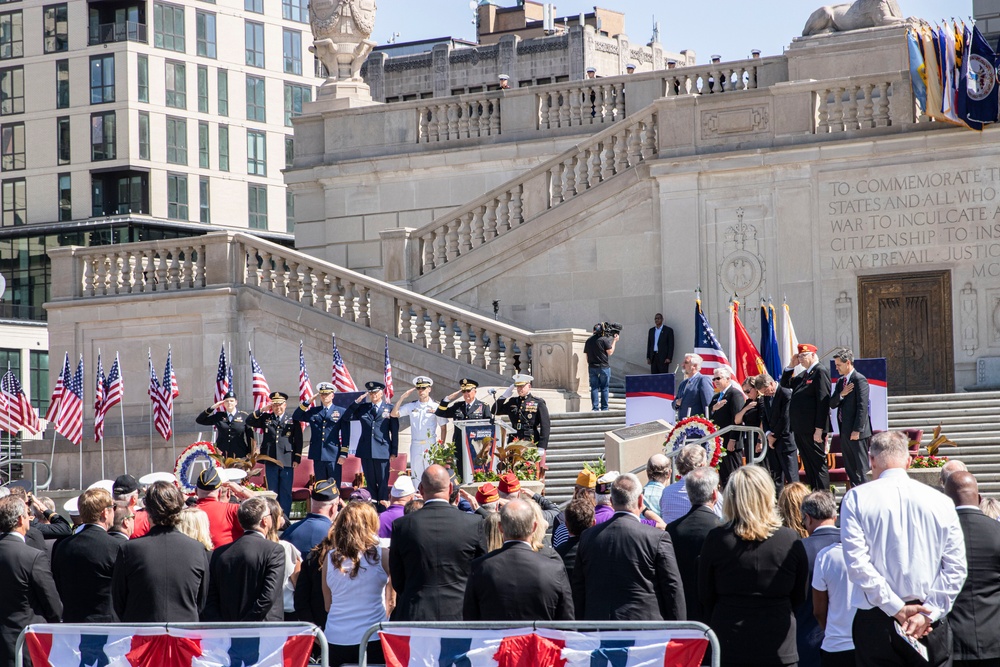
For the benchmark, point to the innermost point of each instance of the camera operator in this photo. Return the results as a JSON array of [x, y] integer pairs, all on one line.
[[599, 349]]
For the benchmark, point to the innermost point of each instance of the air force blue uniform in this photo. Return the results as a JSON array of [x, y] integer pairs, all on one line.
[[379, 440], [330, 438]]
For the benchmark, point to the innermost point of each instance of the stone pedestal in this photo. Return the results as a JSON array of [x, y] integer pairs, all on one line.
[[335, 96], [628, 448]]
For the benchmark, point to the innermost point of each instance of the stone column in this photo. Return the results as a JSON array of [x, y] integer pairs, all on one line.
[[375, 69], [219, 259], [507, 58], [441, 66], [624, 55], [577, 53], [399, 256], [558, 362]]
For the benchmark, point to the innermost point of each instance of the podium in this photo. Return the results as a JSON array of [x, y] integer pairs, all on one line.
[[477, 457]]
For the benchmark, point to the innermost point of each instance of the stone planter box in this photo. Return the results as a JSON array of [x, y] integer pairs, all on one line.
[[929, 476], [533, 487]]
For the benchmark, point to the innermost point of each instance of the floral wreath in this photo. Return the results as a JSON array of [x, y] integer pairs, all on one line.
[[199, 451], [694, 428]]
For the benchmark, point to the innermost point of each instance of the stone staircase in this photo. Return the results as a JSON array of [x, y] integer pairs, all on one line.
[[971, 420]]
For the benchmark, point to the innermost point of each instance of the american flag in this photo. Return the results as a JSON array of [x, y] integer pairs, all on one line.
[[114, 387], [99, 382], [168, 392], [70, 419], [305, 389], [17, 410], [706, 345], [342, 380], [222, 377], [159, 398], [175, 389], [261, 391], [388, 371], [57, 392]]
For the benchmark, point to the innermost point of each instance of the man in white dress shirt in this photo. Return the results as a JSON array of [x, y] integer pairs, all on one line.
[[905, 556], [424, 426]]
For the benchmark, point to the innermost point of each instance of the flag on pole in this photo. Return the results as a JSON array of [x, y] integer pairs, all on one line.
[[70, 419], [918, 70], [789, 341], [167, 389], [175, 389], [342, 379], [222, 377], [769, 341], [706, 345], [746, 357], [388, 371], [99, 382], [305, 388], [114, 387], [57, 392], [160, 420], [17, 410], [977, 86], [261, 392]]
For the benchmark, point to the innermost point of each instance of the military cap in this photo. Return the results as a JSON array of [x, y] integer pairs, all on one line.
[[72, 506], [374, 386], [232, 474], [229, 394], [467, 383], [509, 483], [105, 484], [154, 477], [586, 479], [422, 381], [630, 66], [806, 347], [591, 69], [278, 396], [487, 493], [325, 388], [522, 378], [325, 490], [209, 479], [124, 485], [503, 77]]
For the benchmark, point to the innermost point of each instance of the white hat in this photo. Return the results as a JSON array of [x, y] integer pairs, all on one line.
[[233, 474], [72, 507], [522, 378], [106, 484], [325, 386], [403, 487], [154, 477], [422, 381]]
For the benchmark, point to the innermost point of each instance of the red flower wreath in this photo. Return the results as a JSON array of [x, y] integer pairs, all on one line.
[[694, 428]]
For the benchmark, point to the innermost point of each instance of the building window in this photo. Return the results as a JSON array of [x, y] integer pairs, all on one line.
[[294, 97], [143, 74], [65, 197], [223, 148], [15, 202], [257, 153], [177, 196], [292, 49], [295, 10], [168, 27], [289, 212], [39, 361], [102, 79], [11, 35], [205, 34], [203, 145], [62, 84], [12, 136], [143, 135], [254, 6], [223, 92], [176, 80], [11, 91], [56, 26], [177, 147], [255, 98], [102, 136], [62, 140], [257, 209], [254, 44], [202, 89], [289, 151], [204, 204]]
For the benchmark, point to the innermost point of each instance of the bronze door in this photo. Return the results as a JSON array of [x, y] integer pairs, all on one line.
[[907, 319]]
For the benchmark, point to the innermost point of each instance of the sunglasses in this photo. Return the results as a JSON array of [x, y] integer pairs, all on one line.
[[468, 391]]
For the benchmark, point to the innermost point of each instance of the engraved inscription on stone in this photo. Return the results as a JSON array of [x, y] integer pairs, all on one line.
[[639, 430], [734, 121]]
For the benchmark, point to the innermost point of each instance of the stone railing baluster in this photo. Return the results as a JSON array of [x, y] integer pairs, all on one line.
[[516, 205], [476, 236], [451, 240], [465, 233], [494, 351], [882, 108]]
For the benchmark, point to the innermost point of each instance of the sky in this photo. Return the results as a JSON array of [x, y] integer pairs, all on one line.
[[730, 28]]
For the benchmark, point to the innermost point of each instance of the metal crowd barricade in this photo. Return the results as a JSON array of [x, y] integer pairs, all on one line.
[[756, 430], [34, 463], [572, 626], [105, 628]]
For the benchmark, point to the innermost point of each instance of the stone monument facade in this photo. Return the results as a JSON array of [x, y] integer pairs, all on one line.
[[341, 40]]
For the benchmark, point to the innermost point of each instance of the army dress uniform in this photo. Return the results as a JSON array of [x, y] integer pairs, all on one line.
[[327, 440], [281, 440], [378, 442], [232, 437], [529, 417], [459, 411]]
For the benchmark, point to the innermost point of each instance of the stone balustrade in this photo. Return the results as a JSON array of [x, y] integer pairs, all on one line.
[[157, 267], [712, 79], [590, 163], [588, 102], [856, 103], [463, 119]]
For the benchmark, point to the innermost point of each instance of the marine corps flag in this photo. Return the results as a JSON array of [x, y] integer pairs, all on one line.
[[747, 361]]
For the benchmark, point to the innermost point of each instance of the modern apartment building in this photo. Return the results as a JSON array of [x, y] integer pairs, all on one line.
[[128, 120]]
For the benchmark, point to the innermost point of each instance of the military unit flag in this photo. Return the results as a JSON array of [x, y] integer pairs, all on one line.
[[769, 340]]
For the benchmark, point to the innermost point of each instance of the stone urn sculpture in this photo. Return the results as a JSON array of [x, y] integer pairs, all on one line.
[[341, 31]]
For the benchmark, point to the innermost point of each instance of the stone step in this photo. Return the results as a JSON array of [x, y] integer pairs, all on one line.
[[943, 406], [931, 398]]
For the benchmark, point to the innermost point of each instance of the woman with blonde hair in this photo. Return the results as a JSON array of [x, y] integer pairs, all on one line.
[[491, 528], [790, 507], [293, 559], [194, 524], [752, 573], [355, 576]]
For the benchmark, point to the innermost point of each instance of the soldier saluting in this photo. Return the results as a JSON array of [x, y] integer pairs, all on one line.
[[528, 414], [468, 408], [232, 437]]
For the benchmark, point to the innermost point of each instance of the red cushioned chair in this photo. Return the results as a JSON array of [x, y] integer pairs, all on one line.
[[303, 471]]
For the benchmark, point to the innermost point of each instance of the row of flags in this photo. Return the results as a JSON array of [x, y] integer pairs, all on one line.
[[772, 356], [954, 74]]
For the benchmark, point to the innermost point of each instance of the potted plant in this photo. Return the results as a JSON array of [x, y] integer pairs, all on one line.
[[926, 468], [516, 457]]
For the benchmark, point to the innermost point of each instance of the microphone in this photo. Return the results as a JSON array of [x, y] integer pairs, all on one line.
[[493, 391]]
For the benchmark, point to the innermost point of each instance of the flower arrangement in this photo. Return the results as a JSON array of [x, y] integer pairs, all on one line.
[[928, 461], [200, 451], [442, 454], [515, 457], [598, 467], [694, 428]]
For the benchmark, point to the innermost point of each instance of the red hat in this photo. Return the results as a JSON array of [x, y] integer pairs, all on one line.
[[509, 483], [806, 347], [487, 493]]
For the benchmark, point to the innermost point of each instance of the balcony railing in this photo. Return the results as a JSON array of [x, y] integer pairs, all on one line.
[[123, 31], [15, 311]]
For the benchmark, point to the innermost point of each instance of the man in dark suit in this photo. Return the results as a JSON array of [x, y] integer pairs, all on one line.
[[281, 443], [379, 442], [515, 583], [726, 402], [659, 346], [247, 575], [468, 408], [578, 517], [27, 592], [688, 534], [809, 415], [782, 456], [850, 396], [232, 437], [695, 390], [83, 563], [626, 571], [819, 517], [975, 615], [327, 443], [432, 553]]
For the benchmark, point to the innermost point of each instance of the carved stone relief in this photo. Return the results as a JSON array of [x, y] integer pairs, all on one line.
[[845, 320], [741, 270], [969, 313], [734, 121]]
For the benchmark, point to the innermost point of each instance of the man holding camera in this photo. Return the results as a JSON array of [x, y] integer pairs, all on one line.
[[599, 349]]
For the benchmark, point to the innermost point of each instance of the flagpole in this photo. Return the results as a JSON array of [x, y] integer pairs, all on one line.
[[173, 441], [52, 456], [81, 463], [121, 408], [98, 379], [150, 419]]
